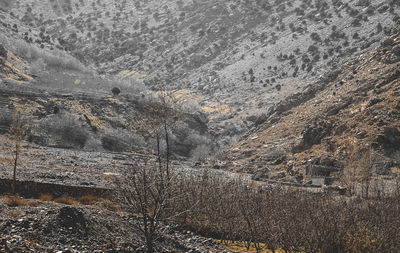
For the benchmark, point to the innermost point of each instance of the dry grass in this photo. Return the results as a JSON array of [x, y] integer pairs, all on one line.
[[33, 203], [33, 244], [90, 200], [66, 200], [84, 200], [14, 201], [46, 197], [242, 247], [15, 213], [110, 206]]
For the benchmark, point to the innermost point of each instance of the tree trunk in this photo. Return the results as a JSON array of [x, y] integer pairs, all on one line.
[[149, 244], [167, 144], [15, 167]]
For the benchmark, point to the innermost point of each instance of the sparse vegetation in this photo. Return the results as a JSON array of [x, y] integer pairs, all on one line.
[[46, 197], [52, 59], [328, 179], [64, 130], [65, 200], [14, 201]]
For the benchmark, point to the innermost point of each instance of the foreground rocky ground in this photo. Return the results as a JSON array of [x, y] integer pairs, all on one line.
[[37, 226]]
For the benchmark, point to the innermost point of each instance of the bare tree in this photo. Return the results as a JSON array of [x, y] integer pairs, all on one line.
[[149, 188], [145, 192], [12, 143], [359, 169], [158, 118]]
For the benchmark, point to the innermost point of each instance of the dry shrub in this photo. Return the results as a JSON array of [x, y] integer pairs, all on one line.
[[110, 206], [33, 244], [33, 203], [14, 213], [46, 197], [65, 200], [90, 200], [14, 201]]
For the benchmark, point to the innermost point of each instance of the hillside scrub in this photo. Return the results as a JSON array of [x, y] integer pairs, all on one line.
[[51, 58], [64, 130]]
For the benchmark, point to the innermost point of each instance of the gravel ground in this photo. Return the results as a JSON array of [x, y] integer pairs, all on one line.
[[82, 168], [36, 226]]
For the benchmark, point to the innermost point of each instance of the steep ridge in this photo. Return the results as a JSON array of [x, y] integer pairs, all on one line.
[[315, 132]]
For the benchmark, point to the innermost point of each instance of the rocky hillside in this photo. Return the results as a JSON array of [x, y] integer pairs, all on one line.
[[239, 57], [229, 61], [315, 133], [53, 89]]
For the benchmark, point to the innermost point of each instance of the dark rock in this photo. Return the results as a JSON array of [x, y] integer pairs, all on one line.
[[330, 76], [388, 79], [390, 139], [71, 217], [385, 169], [261, 119], [299, 178], [312, 135], [396, 50], [319, 171], [388, 42], [252, 118], [280, 160], [374, 101], [3, 52], [116, 91], [336, 108], [264, 173]]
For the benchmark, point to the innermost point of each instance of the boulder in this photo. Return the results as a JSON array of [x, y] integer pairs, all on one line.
[[389, 139], [72, 219]]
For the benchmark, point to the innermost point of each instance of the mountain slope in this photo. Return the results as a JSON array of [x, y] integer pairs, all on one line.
[[240, 55], [316, 132]]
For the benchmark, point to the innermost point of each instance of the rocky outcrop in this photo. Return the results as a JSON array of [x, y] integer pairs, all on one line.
[[389, 139], [313, 134]]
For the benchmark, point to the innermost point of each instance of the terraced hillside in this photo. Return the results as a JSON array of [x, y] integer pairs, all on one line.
[[242, 55]]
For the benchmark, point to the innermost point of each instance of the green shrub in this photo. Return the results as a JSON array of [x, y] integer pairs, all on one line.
[[65, 130], [113, 143], [119, 141]]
